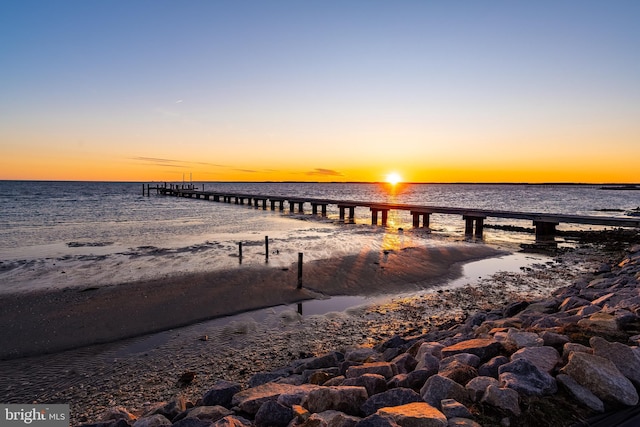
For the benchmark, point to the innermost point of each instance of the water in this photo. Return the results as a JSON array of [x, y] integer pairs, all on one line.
[[57, 234]]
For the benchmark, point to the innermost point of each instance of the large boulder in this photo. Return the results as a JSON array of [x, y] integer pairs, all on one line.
[[250, 400], [374, 383], [477, 387], [516, 339], [581, 394], [274, 414], [221, 394], [331, 419], [484, 348], [419, 414], [209, 413], [545, 358], [393, 397], [601, 377], [524, 377], [385, 369], [438, 387], [503, 398], [346, 399], [621, 355], [156, 420]]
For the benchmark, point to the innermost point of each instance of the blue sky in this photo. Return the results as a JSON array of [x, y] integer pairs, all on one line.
[[254, 90]]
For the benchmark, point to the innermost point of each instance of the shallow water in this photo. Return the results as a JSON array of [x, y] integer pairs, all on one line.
[[472, 274], [61, 234]]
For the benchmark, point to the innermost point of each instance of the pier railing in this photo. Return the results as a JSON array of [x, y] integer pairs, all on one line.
[[545, 223]]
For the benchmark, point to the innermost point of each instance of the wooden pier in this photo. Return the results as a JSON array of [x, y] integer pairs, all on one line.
[[545, 223]]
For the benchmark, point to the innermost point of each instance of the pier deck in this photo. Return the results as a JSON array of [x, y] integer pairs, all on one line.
[[545, 223]]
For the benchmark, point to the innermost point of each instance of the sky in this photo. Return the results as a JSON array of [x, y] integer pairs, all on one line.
[[310, 90]]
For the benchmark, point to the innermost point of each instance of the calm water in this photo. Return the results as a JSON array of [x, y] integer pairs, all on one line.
[[64, 233]]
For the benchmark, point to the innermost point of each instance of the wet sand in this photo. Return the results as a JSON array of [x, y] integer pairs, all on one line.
[[140, 372], [51, 321]]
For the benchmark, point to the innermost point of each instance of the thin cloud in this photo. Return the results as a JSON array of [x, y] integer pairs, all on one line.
[[156, 161], [324, 172]]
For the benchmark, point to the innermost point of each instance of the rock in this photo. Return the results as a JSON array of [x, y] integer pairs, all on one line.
[[373, 383], [600, 323], [251, 400], [503, 398], [514, 308], [419, 414], [172, 408], [395, 341], [454, 409], [362, 355], [581, 394], [516, 340], [458, 371], [430, 348], [335, 381], [376, 420], [209, 413], [192, 422], [462, 422], [232, 421], [601, 377], [342, 398], [466, 358], [273, 414], [574, 347], [319, 378], [328, 360], [438, 388], [221, 394], [331, 419], [477, 387], [621, 355], [553, 339], [484, 348], [524, 377], [545, 358], [404, 363], [295, 397], [428, 362], [117, 413], [185, 379], [264, 377], [318, 374], [393, 397], [490, 369], [156, 420], [573, 302], [416, 379], [381, 368], [588, 310]]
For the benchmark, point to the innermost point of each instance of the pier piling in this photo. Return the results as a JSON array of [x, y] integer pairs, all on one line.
[[300, 255]]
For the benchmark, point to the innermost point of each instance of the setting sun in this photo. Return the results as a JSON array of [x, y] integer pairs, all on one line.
[[394, 178]]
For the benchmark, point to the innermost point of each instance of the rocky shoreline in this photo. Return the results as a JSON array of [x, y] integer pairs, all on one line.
[[556, 360]]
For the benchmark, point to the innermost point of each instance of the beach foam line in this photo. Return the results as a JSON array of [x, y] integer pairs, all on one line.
[[51, 321]]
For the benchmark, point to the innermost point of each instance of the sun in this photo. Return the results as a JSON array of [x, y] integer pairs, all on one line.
[[393, 178]]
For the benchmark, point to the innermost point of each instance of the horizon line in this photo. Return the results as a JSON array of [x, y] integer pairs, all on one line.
[[622, 184]]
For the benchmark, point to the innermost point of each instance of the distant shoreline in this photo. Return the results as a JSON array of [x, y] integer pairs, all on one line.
[[604, 185]]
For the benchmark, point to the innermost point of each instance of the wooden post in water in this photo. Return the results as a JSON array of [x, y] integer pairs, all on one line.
[[300, 255], [240, 251], [266, 248]]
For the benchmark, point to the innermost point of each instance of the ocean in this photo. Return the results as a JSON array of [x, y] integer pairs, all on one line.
[[62, 234]]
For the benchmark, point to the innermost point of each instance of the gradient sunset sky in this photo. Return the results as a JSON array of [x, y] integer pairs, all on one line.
[[437, 91]]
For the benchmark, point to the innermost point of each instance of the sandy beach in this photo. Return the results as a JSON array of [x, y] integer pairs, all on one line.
[[55, 320], [137, 373]]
